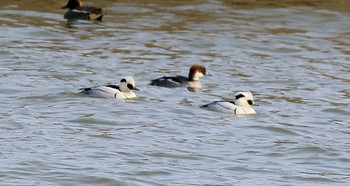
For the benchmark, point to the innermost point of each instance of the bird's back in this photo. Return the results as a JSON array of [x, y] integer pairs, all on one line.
[[170, 81]]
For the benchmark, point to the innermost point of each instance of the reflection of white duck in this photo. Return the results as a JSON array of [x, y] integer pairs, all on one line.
[[241, 106], [123, 91], [192, 81]]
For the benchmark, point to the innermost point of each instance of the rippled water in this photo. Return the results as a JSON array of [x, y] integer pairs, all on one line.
[[293, 57]]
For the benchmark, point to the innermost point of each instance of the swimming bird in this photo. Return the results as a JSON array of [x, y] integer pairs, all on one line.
[[123, 91], [241, 106], [191, 82], [78, 11]]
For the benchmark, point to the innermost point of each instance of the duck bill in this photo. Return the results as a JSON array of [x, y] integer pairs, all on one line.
[[136, 89]]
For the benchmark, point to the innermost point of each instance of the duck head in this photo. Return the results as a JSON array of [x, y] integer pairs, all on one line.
[[73, 4], [127, 84], [196, 71], [244, 99]]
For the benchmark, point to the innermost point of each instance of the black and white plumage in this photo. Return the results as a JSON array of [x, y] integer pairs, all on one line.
[[192, 81], [241, 106], [78, 11], [123, 91], [170, 81]]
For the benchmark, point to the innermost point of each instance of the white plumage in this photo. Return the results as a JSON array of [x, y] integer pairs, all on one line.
[[241, 106], [123, 91]]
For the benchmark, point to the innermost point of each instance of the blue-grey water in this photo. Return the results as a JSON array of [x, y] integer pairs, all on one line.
[[295, 58]]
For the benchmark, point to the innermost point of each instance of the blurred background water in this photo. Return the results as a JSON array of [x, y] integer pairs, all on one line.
[[293, 55]]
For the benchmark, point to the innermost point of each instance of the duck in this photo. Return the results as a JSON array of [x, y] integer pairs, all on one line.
[[191, 81], [78, 11], [242, 105], [120, 92]]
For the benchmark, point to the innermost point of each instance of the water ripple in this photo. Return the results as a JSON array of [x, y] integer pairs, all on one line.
[[295, 60]]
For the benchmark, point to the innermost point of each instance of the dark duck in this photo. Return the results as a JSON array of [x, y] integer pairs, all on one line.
[[191, 82], [78, 11]]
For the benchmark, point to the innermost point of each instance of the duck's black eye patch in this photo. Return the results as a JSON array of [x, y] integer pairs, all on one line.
[[250, 102], [123, 80], [240, 96], [130, 86]]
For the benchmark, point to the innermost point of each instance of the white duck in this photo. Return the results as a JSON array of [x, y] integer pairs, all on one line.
[[123, 91], [241, 106]]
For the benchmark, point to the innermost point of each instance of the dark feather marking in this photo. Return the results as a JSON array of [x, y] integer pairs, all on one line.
[[113, 86], [239, 96], [170, 81], [223, 102]]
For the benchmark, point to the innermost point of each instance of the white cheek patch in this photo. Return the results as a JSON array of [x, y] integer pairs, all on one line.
[[199, 74]]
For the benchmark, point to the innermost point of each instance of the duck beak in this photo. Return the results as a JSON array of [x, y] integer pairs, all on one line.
[[136, 89], [255, 104]]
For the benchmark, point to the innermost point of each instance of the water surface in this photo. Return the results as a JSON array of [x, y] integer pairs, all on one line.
[[294, 57]]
